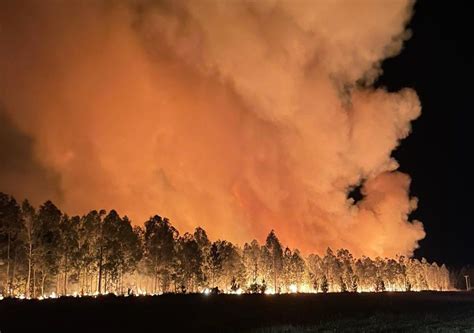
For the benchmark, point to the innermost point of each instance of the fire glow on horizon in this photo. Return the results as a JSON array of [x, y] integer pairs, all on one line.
[[305, 289], [101, 254], [240, 116]]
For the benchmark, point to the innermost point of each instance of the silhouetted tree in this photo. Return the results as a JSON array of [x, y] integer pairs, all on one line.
[[30, 236], [226, 264], [89, 251], [204, 246], [46, 250], [252, 257], [324, 284], [159, 239], [215, 263], [49, 240], [297, 269], [190, 262], [315, 268], [68, 246], [354, 286], [275, 258]]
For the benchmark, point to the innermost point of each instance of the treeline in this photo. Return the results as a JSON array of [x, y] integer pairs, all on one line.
[[44, 250]]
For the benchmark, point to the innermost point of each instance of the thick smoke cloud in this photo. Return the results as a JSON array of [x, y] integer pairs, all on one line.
[[21, 174], [239, 116]]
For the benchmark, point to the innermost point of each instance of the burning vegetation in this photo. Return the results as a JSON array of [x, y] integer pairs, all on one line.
[[46, 253]]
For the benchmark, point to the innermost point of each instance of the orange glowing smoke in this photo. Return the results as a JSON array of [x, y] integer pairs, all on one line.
[[239, 116]]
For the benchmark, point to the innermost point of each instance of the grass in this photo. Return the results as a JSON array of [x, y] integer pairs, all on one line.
[[366, 312], [380, 323]]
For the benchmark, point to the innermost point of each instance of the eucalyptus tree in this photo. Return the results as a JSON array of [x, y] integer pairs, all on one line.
[[159, 243], [69, 247], [274, 258], [10, 242], [204, 245], [111, 248], [227, 267], [315, 270], [89, 244], [31, 241], [49, 240], [189, 260], [252, 256], [10, 228], [298, 269]]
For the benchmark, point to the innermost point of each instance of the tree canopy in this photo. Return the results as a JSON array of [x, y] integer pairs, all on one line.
[[44, 250]]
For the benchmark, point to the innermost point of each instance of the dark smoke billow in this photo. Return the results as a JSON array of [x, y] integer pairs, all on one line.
[[240, 116]]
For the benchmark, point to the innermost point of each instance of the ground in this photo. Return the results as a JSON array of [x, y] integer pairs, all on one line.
[[342, 312]]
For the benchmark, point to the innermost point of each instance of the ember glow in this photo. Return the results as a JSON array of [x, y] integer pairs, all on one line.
[[239, 116]]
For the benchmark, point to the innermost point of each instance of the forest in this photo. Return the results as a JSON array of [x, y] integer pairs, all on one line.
[[47, 253]]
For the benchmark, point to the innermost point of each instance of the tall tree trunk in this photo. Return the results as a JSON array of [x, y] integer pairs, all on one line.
[[274, 275], [28, 280], [43, 278], [7, 284], [87, 281], [65, 276], [105, 282], [34, 282], [80, 279], [121, 282], [99, 285], [13, 271], [92, 282]]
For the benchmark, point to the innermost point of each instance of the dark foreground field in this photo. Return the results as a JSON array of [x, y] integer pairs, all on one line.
[[403, 312]]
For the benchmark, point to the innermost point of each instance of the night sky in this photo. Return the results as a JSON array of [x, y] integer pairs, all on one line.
[[437, 63]]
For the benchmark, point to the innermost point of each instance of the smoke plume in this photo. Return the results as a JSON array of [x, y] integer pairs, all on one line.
[[239, 116]]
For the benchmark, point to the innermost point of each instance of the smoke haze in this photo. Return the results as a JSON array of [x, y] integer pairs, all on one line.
[[238, 116]]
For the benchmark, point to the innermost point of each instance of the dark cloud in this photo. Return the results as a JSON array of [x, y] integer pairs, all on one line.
[[21, 174]]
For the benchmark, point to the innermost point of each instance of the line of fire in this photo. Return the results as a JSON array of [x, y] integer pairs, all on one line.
[[46, 254]]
